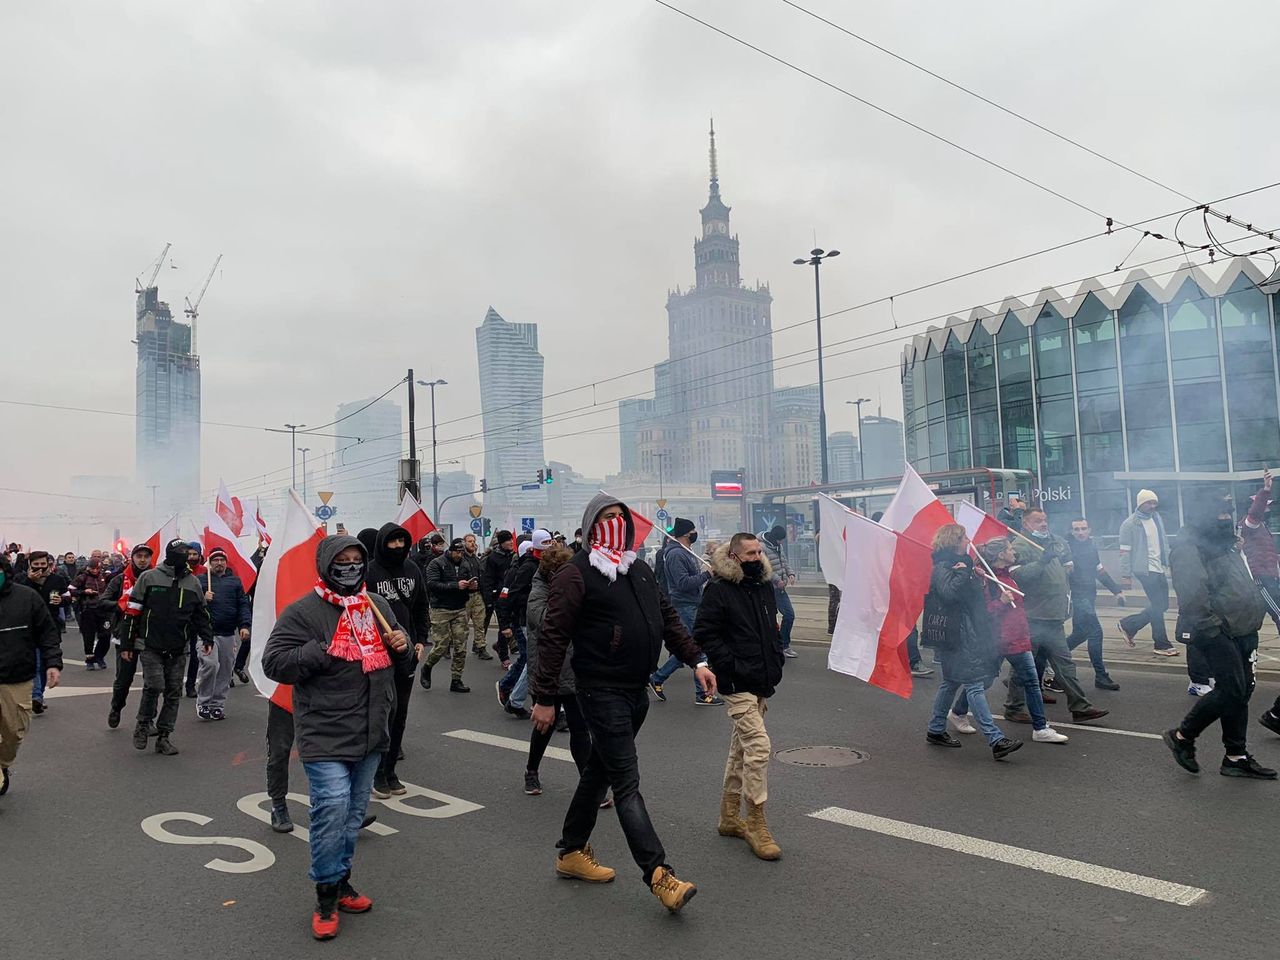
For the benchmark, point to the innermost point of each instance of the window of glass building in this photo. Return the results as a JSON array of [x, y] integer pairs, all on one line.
[[1251, 387], [1013, 370], [1197, 383], [956, 390], [935, 409], [984, 416], [1055, 404], [1148, 416], [1098, 402]]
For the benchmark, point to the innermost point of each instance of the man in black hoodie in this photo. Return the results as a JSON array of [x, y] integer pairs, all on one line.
[[396, 578], [606, 603], [25, 627], [1219, 611], [493, 573]]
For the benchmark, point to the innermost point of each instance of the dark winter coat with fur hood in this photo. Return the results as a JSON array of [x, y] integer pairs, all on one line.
[[737, 628]]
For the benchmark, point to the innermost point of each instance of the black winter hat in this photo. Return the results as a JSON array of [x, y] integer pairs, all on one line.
[[504, 536], [682, 527], [1204, 506], [777, 533]]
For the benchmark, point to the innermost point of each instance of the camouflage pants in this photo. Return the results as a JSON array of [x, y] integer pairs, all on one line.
[[449, 631], [476, 614]]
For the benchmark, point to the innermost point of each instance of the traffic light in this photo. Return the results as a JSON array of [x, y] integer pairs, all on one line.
[[548, 472], [484, 485], [542, 476], [486, 530]]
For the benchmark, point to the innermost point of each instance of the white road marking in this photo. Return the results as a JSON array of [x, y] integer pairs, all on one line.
[[507, 743], [1119, 733], [59, 692], [1169, 892]]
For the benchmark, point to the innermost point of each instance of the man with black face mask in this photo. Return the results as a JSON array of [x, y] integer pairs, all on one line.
[[172, 615], [1219, 613], [397, 578], [681, 575]]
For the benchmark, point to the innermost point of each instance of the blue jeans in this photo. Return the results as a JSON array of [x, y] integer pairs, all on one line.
[[37, 682], [339, 799], [1085, 628], [512, 676], [1022, 670], [788, 615], [913, 647], [977, 702], [521, 688], [688, 613]]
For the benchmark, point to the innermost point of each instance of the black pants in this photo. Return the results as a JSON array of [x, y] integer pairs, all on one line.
[[1199, 669], [1156, 587], [193, 663], [613, 717], [161, 674], [242, 654], [95, 630], [399, 716], [1231, 664], [126, 670], [579, 737], [279, 746]]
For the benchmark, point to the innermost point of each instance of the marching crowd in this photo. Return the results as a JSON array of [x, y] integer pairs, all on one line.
[[581, 627]]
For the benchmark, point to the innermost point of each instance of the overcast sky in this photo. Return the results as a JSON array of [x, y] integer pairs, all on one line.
[[378, 174]]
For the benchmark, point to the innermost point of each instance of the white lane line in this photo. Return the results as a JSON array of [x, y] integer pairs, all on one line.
[[1119, 733], [57, 693], [1169, 892], [508, 743]]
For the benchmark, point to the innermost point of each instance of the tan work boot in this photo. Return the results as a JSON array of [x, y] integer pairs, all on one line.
[[757, 834], [674, 893], [583, 865], [731, 822]]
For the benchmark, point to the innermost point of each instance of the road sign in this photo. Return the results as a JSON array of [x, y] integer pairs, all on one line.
[[663, 516], [702, 521], [527, 523], [324, 496], [531, 486], [476, 510], [662, 504], [476, 526], [325, 513]]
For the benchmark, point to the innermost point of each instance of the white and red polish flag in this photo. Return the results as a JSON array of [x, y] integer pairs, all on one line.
[[980, 526], [218, 534], [288, 573], [259, 525], [831, 539], [914, 511], [157, 541], [230, 510], [644, 526], [413, 518]]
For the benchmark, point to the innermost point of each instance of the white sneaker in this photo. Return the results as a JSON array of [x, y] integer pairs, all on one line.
[[1199, 689], [1049, 735], [961, 724]]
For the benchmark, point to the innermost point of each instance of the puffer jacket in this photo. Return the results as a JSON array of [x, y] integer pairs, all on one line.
[[956, 620], [777, 561], [25, 626], [1216, 595], [536, 610], [229, 609], [737, 628]]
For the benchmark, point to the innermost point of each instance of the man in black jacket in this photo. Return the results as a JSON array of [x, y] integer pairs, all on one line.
[[397, 579], [115, 604], [172, 613], [230, 616], [1084, 576], [53, 586], [1220, 611], [25, 627], [606, 603], [736, 629], [512, 606], [449, 585], [493, 573]]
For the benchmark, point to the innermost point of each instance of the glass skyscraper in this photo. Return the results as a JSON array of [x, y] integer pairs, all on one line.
[[1167, 385]]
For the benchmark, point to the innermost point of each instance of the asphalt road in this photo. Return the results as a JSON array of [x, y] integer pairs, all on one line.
[[82, 878]]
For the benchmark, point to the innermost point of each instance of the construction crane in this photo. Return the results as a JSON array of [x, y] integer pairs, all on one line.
[[193, 309], [155, 272]]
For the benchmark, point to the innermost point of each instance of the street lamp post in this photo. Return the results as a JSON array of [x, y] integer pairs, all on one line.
[[293, 429], [815, 258], [435, 469], [304, 451], [862, 463]]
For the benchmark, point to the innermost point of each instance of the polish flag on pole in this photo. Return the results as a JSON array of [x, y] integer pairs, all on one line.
[[218, 534], [979, 525], [259, 525], [288, 572], [413, 518], [230, 510], [644, 526], [831, 541], [168, 531], [914, 511], [886, 577]]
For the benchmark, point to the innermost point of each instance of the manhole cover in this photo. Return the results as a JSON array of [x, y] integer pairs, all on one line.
[[822, 756]]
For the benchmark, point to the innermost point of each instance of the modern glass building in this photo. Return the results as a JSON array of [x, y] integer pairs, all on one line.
[[1167, 383]]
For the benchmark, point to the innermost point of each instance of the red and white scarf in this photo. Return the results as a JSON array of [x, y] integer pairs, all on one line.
[[357, 636], [610, 552]]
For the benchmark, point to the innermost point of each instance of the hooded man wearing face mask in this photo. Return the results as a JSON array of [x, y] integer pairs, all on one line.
[[341, 661], [606, 603], [171, 616]]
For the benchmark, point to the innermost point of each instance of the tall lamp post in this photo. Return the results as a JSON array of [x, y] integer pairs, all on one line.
[[293, 429], [862, 463], [814, 260], [304, 451], [435, 470]]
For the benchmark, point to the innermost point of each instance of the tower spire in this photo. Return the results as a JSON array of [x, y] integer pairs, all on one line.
[[715, 173]]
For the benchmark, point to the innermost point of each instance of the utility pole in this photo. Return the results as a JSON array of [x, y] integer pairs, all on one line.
[[815, 258], [435, 468], [293, 429], [862, 462], [413, 487], [304, 451]]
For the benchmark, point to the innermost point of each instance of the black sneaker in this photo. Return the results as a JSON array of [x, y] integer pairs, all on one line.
[[368, 819], [1248, 767], [1053, 686], [532, 786], [38, 707], [562, 723], [140, 736], [1105, 683], [280, 820], [4, 783], [1270, 721], [164, 746], [381, 789], [113, 719], [481, 653], [520, 713], [918, 669], [424, 678], [191, 692], [204, 713], [1004, 746], [457, 686], [1184, 751], [942, 739], [657, 691], [395, 786], [150, 727], [243, 676], [217, 713]]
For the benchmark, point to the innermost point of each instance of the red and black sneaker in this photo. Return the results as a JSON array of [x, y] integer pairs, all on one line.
[[351, 901], [324, 922]]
